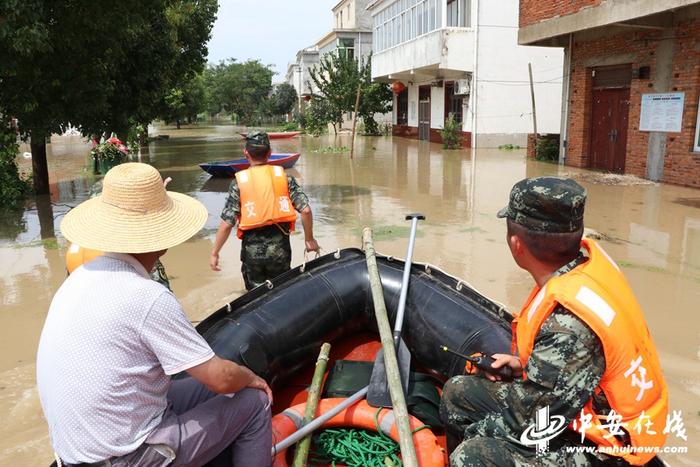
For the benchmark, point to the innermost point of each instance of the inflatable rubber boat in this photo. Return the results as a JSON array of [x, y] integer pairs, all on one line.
[[277, 329]]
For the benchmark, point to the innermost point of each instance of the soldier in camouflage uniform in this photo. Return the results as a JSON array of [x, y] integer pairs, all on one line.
[[266, 251], [567, 362]]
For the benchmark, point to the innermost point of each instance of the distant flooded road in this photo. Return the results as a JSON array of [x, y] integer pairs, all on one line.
[[651, 230]]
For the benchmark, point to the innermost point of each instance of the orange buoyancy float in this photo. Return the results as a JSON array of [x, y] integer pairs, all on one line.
[[76, 256], [360, 415]]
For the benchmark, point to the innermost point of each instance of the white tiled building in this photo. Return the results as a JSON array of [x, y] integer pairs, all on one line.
[[462, 57], [298, 73]]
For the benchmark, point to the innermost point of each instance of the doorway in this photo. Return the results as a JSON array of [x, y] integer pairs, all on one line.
[[424, 113], [609, 118]]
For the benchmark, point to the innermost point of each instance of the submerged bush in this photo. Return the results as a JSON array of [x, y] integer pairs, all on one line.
[[13, 187], [547, 149], [451, 133]]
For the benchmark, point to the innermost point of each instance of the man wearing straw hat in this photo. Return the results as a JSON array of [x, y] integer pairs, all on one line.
[[113, 338]]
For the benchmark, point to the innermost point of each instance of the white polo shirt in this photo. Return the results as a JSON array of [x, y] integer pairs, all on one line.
[[110, 342]]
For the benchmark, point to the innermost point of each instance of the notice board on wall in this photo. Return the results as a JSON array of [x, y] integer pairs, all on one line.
[[662, 112]]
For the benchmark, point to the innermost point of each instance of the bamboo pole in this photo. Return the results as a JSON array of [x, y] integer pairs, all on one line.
[[354, 119], [408, 450], [534, 109], [302, 452]]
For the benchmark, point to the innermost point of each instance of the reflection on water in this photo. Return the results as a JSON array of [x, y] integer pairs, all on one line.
[[653, 232]]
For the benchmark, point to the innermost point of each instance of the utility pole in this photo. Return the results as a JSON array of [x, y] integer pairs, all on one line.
[[534, 112], [300, 87]]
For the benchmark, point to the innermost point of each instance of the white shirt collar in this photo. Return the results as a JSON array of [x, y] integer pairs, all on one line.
[[127, 258]]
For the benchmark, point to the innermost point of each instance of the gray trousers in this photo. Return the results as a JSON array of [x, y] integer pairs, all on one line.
[[199, 426]]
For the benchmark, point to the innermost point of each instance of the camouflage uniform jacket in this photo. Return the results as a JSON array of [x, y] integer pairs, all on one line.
[[565, 367], [264, 236]]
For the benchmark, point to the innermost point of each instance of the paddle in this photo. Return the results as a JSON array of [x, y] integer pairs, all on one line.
[[378, 394]]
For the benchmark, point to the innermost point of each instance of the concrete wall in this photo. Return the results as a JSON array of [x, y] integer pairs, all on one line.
[[444, 48], [504, 106], [437, 107], [412, 105], [355, 15], [674, 58]]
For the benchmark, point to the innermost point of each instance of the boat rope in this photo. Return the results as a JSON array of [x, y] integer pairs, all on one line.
[[357, 447], [302, 268]]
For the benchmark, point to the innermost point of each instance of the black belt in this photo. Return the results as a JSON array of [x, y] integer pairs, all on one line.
[[105, 463]]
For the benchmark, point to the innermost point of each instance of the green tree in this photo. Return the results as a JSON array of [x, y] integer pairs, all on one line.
[[185, 102], [240, 88], [376, 98], [319, 114], [283, 99], [100, 64], [338, 78], [12, 187]]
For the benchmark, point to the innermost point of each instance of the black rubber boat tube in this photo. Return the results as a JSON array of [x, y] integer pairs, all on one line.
[[276, 330]]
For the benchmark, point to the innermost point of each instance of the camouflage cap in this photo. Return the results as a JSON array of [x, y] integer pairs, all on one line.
[[257, 139], [546, 204]]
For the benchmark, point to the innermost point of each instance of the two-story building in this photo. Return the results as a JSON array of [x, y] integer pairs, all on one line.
[[351, 32], [461, 57], [631, 81], [298, 73]]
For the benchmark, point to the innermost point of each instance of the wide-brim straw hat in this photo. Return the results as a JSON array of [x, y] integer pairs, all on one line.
[[134, 214]]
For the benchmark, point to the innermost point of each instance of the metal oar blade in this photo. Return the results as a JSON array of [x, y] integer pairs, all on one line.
[[378, 393]]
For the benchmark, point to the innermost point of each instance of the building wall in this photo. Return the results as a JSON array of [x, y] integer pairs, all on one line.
[[504, 106], [641, 48], [363, 43], [413, 105], [534, 11]]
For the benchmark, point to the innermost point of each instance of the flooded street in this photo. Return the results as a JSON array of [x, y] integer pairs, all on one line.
[[652, 230]]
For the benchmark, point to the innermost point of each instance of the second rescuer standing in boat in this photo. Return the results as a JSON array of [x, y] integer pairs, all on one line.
[[262, 201], [583, 351]]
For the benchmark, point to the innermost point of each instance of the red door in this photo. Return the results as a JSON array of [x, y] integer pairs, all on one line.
[[609, 129]]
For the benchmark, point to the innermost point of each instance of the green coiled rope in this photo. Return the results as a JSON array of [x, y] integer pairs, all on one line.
[[356, 447]]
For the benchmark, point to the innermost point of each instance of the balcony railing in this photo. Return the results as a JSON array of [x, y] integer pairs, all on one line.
[[405, 20]]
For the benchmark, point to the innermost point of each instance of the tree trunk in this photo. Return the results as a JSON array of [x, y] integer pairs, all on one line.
[[178, 123], [40, 168], [45, 213]]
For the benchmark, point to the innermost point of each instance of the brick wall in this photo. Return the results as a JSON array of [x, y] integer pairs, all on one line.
[[534, 11], [681, 164]]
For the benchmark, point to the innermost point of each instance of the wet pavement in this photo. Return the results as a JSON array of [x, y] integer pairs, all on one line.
[[652, 230]]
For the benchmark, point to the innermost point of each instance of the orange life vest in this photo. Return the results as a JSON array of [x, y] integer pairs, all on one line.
[[76, 256], [264, 198], [598, 293]]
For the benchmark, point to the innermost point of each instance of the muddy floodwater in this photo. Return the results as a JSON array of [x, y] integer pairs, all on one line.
[[652, 230]]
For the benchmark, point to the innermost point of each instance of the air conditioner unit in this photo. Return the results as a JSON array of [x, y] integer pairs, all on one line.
[[462, 86]]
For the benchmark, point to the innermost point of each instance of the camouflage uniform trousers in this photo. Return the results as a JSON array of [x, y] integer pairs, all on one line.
[[469, 399], [265, 254]]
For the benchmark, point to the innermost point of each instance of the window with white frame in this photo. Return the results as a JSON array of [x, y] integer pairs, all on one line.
[[404, 20], [696, 145], [346, 47], [458, 13]]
